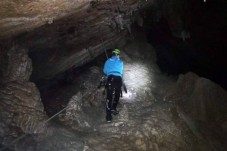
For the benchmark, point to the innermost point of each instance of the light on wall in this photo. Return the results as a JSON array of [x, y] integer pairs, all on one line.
[[137, 78]]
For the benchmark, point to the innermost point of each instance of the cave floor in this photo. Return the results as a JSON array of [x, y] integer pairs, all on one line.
[[146, 121]]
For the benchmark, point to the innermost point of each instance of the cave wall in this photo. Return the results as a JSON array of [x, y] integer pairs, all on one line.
[[59, 35], [198, 44], [21, 107]]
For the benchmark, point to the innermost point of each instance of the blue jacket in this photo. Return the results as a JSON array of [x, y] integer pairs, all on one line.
[[113, 66]]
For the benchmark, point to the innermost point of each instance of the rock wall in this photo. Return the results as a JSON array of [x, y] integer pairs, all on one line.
[[21, 109], [202, 104], [17, 17], [19, 65], [200, 98]]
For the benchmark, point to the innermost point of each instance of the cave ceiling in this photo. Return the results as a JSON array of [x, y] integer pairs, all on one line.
[[17, 16], [61, 34]]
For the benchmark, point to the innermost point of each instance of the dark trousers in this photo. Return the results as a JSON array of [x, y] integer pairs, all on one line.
[[113, 88]]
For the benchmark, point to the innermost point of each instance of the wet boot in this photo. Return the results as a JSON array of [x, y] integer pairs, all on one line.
[[109, 118], [114, 111]]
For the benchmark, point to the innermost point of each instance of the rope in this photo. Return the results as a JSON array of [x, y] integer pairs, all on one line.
[[22, 136], [46, 121], [16, 140], [118, 10], [103, 45]]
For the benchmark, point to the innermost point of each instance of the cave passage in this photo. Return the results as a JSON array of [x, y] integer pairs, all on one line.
[[52, 56], [203, 52]]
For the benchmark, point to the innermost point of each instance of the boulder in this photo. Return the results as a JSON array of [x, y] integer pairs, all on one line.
[[200, 98]]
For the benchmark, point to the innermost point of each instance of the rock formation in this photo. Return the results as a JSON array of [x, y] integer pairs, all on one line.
[[200, 98], [202, 104], [61, 46], [21, 109]]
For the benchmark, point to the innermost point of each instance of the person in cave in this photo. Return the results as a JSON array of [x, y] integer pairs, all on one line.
[[113, 69]]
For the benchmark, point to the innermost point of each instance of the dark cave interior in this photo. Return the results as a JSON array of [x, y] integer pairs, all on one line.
[[204, 52], [63, 55]]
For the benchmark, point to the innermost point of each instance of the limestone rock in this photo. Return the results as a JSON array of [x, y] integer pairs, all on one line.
[[21, 107], [139, 48], [17, 17], [87, 99], [74, 115], [18, 66], [200, 98]]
